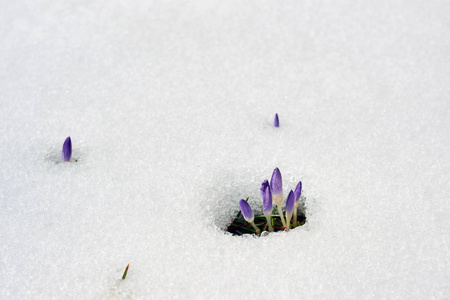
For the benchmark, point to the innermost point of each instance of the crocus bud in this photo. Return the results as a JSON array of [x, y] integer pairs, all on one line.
[[67, 149], [276, 186], [290, 201], [247, 211], [277, 192], [266, 194], [298, 192], [276, 122]]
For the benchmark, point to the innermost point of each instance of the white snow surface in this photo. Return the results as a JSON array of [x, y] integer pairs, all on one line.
[[170, 106]]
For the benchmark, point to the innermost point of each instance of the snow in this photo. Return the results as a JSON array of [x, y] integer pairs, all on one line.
[[170, 108]]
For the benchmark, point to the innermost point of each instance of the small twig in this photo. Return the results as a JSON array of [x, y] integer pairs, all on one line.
[[125, 273]]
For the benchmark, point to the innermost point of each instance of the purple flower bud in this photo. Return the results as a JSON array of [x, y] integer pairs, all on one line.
[[266, 194], [67, 149], [276, 122], [290, 201], [298, 191], [247, 211], [276, 186]]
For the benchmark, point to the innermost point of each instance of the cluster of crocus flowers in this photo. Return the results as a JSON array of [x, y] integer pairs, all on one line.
[[270, 193], [67, 149]]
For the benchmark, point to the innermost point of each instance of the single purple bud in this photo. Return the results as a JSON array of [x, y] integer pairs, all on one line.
[[266, 194], [290, 201], [276, 122], [247, 211], [67, 149], [298, 191], [276, 186]]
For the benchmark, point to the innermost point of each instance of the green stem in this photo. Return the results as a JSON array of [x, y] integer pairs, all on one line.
[[269, 223], [281, 215], [295, 223], [288, 220], [258, 232]]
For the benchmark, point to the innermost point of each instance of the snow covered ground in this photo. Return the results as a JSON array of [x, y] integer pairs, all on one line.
[[169, 106]]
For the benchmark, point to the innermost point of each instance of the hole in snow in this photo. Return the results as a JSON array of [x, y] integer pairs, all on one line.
[[239, 226]]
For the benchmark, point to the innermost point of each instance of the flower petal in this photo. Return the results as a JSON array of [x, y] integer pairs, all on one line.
[[290, 203], [67, 149], [247, 211]]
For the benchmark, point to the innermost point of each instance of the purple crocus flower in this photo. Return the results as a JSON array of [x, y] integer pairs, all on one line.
[[266, 194], [277, 192], [247, 211], [297, 194], [298, 191], [290, 201], [67, 149], [276, 122], [276, 186]]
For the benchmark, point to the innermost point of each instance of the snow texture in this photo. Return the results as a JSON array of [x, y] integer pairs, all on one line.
[[170, 107]]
